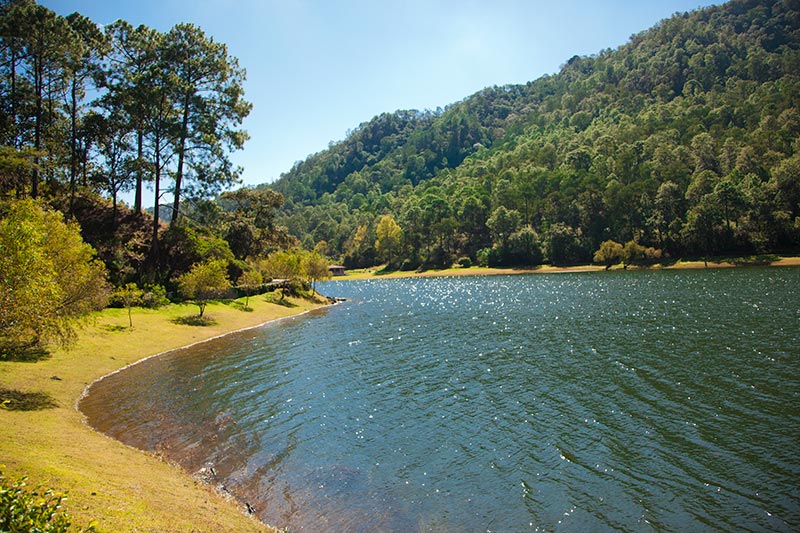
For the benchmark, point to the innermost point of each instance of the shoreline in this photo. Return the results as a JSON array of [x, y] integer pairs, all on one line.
[[219, 490], [126, 488], [120, 487], [85, 391], [377, 273]]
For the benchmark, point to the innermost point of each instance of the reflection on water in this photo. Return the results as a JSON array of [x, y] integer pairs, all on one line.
[[633, 401]]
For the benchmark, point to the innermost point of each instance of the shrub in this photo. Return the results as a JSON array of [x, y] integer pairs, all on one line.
[[609, 253], [465, 262], [126, 296], [483, 256], [154, 296], [50, 279], [37, 511], [204, 282]]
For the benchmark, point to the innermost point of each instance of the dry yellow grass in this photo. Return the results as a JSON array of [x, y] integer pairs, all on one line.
[[378, 272], [122, 488]]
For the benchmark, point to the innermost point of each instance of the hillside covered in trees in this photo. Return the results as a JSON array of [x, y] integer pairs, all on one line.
[[682, 142]]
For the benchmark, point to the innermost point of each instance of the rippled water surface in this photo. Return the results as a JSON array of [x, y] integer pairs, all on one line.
[[630, 401]]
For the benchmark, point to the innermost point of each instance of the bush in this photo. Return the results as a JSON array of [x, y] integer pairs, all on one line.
[[483, 256], [50, 279], [609, 253], [205, 281], [126, 296], [465, 262], [37, 511], [154, 296]]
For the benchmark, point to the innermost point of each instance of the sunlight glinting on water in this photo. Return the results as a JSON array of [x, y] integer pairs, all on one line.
[[630, 401]]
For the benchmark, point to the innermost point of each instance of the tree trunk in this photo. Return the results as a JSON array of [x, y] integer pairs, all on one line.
[[85, 164], [157, 186], [181, 157], [114, 210], [73, 155], [13, 66], [137, 201], [37, 126]]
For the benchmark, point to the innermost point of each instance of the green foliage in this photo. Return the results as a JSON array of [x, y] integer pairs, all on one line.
[[15, 167], [609, 253], [103, 110], [389, 238], [285, 264], [315, 268], [129, 296], [295, 266], [37, 511], [249, 282], [565, 246], [49, 278], [524, 247], [203, 282], [684, 140], [632, 253], [154, 296]]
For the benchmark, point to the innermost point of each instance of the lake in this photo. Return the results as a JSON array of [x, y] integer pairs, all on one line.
[[628, 401]]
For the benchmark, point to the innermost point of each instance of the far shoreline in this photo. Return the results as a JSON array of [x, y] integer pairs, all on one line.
[[379, 272]]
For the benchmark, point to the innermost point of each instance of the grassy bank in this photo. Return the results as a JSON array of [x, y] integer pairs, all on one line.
[[43, 436], [380, 272]]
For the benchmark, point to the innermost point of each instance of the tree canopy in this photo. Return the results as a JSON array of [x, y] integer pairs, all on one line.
[[49, 278], [684, 140], [205, 281]]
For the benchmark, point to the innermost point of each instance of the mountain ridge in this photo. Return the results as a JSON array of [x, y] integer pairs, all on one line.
[[626, 145]]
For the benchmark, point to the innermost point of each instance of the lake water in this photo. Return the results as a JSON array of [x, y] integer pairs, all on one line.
[[628, 401]]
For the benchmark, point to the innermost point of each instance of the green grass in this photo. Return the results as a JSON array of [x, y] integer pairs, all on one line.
[[43, 436]]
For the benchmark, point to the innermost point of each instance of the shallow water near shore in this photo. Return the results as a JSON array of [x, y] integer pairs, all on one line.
[[632, 401]]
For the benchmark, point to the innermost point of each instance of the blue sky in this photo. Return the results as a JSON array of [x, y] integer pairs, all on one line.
[[317, 68]]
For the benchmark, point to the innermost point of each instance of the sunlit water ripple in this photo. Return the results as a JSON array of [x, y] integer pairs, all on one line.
[[631, 401]]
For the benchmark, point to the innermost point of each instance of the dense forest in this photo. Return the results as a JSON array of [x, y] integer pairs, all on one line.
[[683, 142]]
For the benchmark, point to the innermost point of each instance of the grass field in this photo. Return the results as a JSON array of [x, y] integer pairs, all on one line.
[[43, 436]]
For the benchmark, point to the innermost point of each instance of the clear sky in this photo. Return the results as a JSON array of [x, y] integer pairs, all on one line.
[[317, 68]]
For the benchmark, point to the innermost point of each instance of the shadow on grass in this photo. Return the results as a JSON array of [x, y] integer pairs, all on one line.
[[23, 353], [115, 329], [14, 400], [277, 300], [194, 320], [238, 305], [388, 270]]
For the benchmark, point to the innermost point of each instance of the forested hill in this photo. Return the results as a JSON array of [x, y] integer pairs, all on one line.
[[682, 142]]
